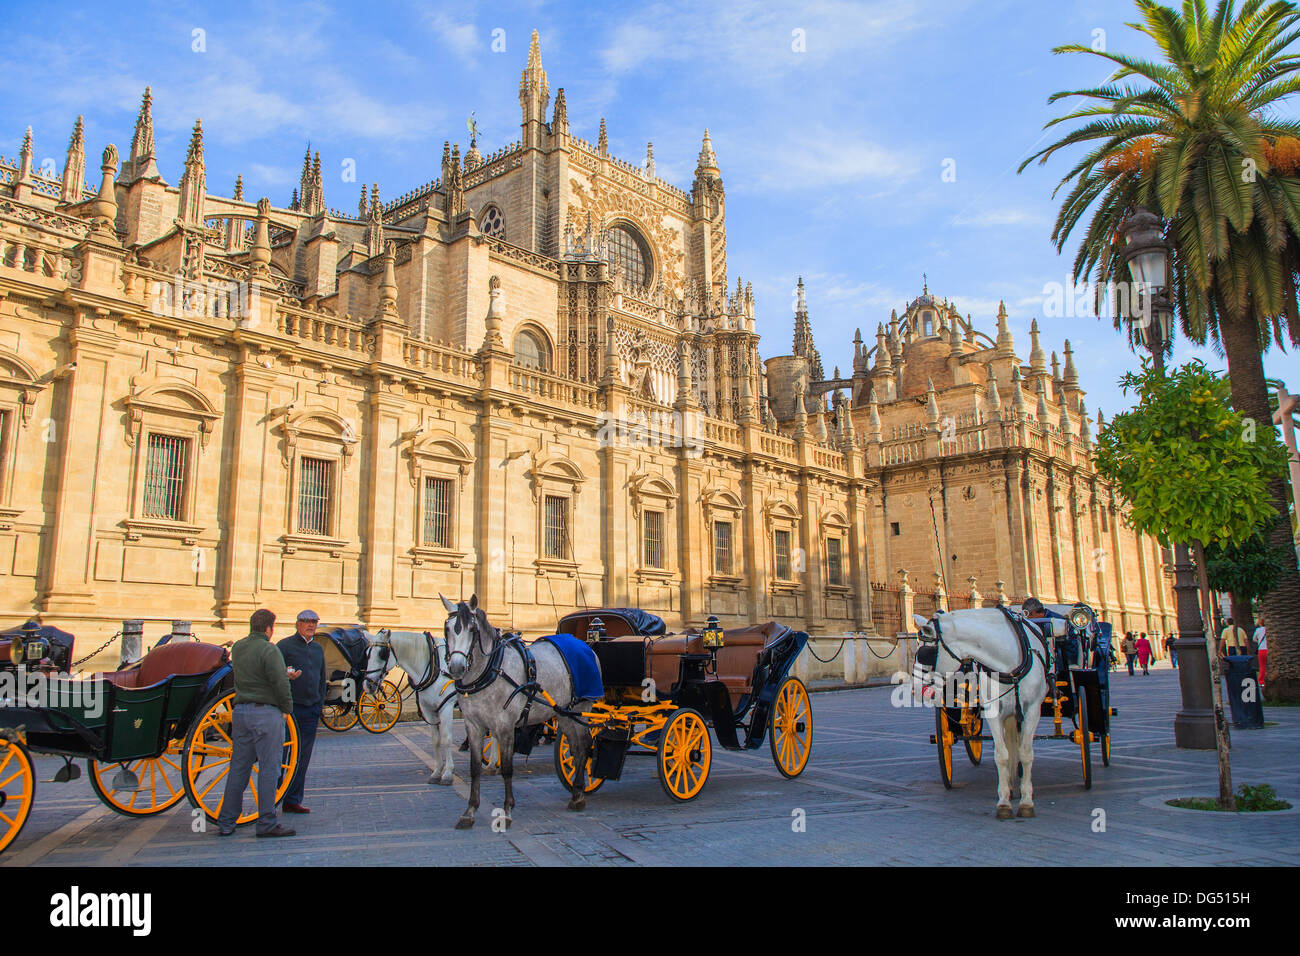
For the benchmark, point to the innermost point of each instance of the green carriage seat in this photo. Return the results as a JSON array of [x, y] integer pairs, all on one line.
[[154, 702]]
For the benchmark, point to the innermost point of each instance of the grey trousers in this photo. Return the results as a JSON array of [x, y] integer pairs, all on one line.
[[258, 735]]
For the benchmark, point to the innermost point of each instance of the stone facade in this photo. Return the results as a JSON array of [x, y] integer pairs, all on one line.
[[529, 378]]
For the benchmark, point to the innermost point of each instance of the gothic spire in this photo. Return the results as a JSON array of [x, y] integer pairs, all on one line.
[[194, 183], [1005, 344], [560, 121], [534, 90], [602, 141], [803, 338], [142, 163], [74, 167]]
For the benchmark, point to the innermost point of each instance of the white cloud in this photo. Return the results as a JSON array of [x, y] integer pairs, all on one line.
[[462, 39], [1000, 217]]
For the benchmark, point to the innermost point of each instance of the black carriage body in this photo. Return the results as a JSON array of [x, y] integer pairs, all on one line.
[[348, 665], [1082, 664], [733, 687], [120, 721]]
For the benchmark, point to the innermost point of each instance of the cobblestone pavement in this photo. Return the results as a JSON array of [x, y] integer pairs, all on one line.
[[871, 795]]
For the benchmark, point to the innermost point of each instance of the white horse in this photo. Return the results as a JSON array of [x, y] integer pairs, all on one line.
[[1013, 685], [424, 658]]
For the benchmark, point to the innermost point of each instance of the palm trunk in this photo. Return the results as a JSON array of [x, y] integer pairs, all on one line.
[[1279, 608]]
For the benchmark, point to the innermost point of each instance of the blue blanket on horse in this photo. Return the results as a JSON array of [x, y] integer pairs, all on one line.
[[584, 669]]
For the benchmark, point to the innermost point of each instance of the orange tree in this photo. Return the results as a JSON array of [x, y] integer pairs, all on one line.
[[1192, 470]]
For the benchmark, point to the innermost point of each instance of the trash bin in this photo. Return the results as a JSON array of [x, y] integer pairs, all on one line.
[[1243, 691]]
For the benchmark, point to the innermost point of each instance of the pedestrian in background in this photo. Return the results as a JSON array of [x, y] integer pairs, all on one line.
[[1129, 649], [262, 698], [1232, 640], [1171, 650], [304, 654], [1143, 647], [1261, 648]]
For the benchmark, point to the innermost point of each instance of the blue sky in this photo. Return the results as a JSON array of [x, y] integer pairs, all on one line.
[[833, 156]]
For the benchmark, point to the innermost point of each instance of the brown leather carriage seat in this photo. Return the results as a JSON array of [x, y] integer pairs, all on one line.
[[183, 657], [665, 657], [736, 659]]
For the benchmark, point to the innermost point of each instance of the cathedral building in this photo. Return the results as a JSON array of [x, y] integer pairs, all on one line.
[[530, 378]]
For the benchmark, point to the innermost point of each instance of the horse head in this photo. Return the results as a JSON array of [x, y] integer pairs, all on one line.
[[379, 659], [467, 630]]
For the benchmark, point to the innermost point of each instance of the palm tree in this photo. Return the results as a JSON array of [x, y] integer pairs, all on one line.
[[1196, 136]]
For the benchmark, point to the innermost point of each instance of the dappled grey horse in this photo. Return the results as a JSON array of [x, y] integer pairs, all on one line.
[[503, 685]]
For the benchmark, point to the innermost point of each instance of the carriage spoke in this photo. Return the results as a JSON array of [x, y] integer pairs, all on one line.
[[208, 789], [16, 773]]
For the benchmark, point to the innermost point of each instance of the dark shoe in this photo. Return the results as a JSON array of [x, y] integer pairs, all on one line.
[[294, 808], [279, 830], [223, 832]]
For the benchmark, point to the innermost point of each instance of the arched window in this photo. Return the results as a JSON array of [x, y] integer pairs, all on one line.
[[532, 350], [628, 255], [492, 223]]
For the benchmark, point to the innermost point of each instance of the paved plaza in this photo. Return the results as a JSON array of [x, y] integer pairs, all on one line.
[[871, 795]]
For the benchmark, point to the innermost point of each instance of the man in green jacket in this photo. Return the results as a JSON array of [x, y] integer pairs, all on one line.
[[262, 697]]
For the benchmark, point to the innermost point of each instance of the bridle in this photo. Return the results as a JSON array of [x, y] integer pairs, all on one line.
[[432, 670]]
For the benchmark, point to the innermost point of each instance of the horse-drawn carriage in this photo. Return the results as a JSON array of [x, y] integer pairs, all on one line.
[[1077, 647], [348, 697], [151, 734], [662, 693]]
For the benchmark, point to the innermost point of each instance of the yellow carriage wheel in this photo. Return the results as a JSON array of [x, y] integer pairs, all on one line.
[[339, 717], [379, 712], [564, 766], [161, 782], [790, 727], [17, 790], [206, 759], [944, 737], [685, 754], [1105, 749], [973, 725]]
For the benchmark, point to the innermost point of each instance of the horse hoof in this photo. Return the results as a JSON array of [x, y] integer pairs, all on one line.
[[577, 806], [464, 823], [1025, 811], [1004, 813]]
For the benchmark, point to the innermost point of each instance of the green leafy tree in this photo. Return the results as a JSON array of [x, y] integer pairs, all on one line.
[[1196, 136], [1193, 470]]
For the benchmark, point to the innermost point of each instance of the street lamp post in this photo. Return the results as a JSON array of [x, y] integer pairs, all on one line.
[[1146, 253]]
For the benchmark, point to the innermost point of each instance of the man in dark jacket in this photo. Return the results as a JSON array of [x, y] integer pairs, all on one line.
[[302, 652], [262, 698]]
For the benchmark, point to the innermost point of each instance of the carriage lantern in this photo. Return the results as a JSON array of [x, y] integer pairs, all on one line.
[[29, 646], [1080, 618], [595, 630], [712, 633]]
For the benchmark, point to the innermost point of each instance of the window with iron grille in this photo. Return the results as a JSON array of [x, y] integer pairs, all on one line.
[[654, 539], [315, 486], [781, 542], [164, 477], [437, 512], [834, 565], [722, 547], [557, 527], [628, 255]]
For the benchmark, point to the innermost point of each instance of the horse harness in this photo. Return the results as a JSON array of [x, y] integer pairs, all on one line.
[[530, 689], [432, 671], [1020, 671]]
